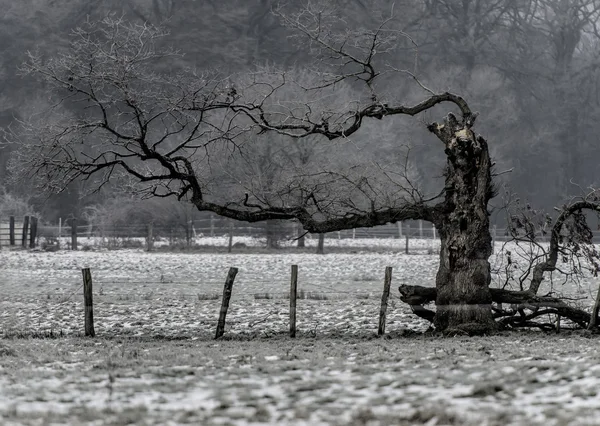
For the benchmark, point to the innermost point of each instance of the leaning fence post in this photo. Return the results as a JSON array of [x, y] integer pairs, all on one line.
[[24, 233], [73, 234], [293, 293], [33, 233], [88, 302], [11, 230], [225, 302], [384, 300]]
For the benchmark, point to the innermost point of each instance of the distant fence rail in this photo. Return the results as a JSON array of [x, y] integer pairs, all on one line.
[[26, 231], [260, 230], [19, 232]]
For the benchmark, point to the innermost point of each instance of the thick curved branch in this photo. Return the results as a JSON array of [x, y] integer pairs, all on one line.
[[303, 129], [348, 221], [550, 264]]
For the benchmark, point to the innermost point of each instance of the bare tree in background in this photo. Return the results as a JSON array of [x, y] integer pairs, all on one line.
[[177, 134], [123, 215], [12, 205]]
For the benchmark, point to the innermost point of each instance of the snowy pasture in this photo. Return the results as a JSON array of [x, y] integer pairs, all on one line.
[[154, 360], [517, 379], [178, 295]]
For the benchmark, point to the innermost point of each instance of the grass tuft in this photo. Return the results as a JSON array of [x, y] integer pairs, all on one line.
[[312, 295], [263, 296], [208, 296]]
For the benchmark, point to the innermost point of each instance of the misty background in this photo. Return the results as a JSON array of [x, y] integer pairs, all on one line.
[[529, 67]]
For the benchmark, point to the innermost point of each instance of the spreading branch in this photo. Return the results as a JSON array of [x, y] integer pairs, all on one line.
[[118, 117]]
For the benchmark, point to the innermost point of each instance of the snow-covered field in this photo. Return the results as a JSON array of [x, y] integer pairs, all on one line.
[[517, 379], [246, 241], [173, 294], [154, 360]]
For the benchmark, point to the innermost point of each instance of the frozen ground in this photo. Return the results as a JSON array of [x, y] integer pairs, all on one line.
[[517, 379], [154, 360], [138, 293]]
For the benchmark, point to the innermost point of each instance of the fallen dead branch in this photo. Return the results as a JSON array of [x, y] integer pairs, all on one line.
[[523, 307]]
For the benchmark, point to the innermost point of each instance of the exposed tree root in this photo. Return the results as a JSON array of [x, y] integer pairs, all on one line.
[[524, 307]]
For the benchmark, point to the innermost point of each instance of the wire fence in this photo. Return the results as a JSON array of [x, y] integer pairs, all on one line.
[[289, 231], [216, 231], [217, 228], [184, 307]]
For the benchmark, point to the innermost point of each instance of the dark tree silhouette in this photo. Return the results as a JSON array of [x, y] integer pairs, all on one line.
[[171, 132]]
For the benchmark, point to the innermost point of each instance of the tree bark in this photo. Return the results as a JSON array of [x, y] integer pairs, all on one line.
[[463, 297]]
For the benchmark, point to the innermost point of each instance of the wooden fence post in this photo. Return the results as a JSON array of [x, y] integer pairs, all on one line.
[[88, 302], [399, 230], [150, 237], [189, 233], [225, 302], [301, 237], [321, 244], [420, 229], [230, 244], [73, 234], [293, 295], [11, 230], [33, 233], [406, 244], [24, 233], [384, 300]]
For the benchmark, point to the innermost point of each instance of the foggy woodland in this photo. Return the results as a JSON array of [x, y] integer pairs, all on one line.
[[528, 67]]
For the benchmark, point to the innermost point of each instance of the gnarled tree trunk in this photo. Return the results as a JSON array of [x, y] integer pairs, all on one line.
[[463, 295]]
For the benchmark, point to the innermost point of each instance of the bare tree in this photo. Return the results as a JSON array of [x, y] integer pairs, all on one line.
[[179, 134], [13, 205]]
